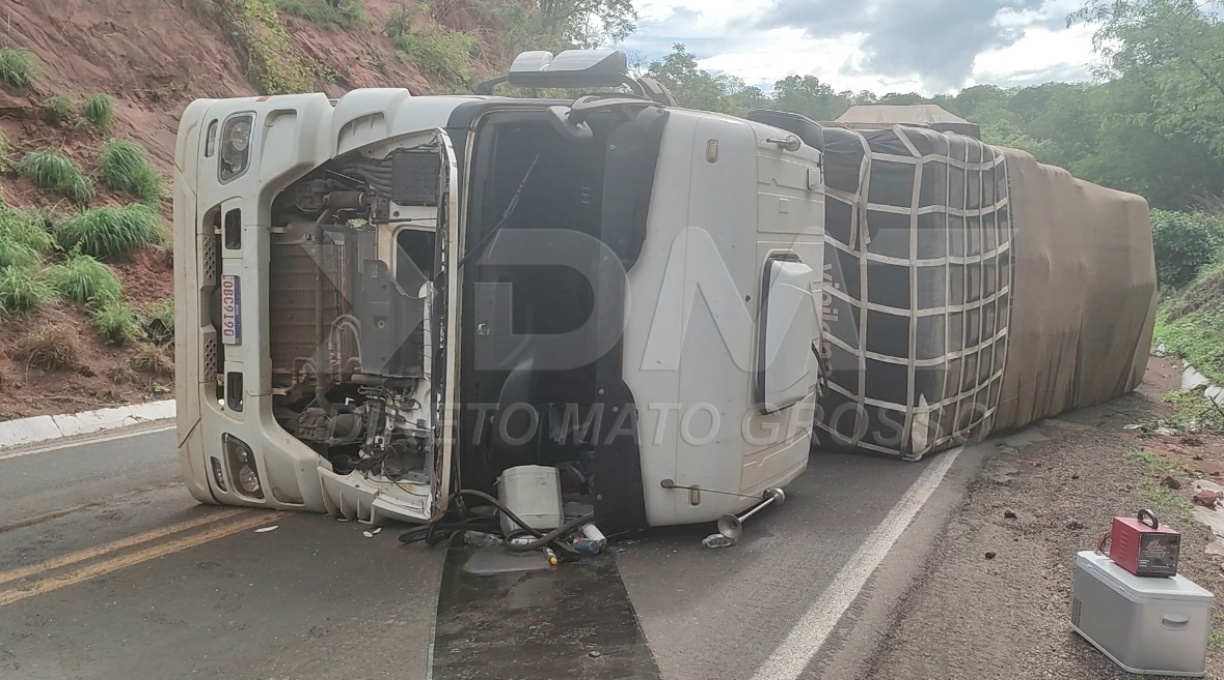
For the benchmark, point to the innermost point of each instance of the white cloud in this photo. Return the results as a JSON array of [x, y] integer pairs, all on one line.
[[720, 33]]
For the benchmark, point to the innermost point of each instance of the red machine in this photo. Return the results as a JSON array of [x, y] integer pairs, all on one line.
[[1144, 548]]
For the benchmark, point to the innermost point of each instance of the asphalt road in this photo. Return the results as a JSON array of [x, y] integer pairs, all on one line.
[[110, 571]]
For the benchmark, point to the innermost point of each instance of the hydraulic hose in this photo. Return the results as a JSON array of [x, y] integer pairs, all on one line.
[[444, 531]]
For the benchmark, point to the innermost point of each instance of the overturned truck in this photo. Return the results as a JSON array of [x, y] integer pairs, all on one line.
[[614, 310], [969, 289]]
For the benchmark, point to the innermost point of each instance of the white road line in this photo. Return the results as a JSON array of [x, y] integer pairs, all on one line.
[[84, 440], [794, 654]]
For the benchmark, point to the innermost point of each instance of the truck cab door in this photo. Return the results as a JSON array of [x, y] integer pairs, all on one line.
[[444, 317]]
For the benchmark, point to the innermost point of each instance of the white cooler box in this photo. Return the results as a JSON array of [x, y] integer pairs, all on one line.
[[1149, 626]]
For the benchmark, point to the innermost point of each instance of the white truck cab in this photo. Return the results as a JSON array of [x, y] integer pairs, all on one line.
[[386, 300]]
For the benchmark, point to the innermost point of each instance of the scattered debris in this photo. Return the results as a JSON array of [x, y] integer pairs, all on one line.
[[265, 530], [1008, 514], [594, 654], [1208, 499], [1074, 476], [990, 555], [1075, 526], [717, 541], [371, 533], [1171, 482], [1216, 548], [1133, 427], [1167, 432]]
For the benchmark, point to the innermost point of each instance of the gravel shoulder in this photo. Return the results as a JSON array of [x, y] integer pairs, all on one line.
[[995, 599]]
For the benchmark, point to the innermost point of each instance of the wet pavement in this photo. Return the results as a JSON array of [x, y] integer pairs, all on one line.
[[109, 570]]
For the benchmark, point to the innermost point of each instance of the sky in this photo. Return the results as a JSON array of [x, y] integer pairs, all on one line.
[[925, 46]]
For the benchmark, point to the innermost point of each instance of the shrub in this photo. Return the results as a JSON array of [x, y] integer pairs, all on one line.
[[59, 108], [116, 322], [24, 290], [346, 14], [125, 166], [18, 69], [150, 360], [53, 171], [54, 347], [24, 228], [84, 280], [18, 255], [438, 51], [1185, 243], [99, 111], [111, 232], [4, 151], [278, 66]]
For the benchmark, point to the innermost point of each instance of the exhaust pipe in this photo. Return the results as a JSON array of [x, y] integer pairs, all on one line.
[[732, 527]]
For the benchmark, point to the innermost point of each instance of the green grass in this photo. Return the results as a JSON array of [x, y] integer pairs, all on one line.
[[117, 323], [24, 290], [1148, 458], [111, 232], [4, 152], [26, 227], [23, 240], [17, 255], [124, 166], [55, 172], [348, 14], [84, 280], [1164, 499], [59, 109], [99, 112], [1216, 641], [18, 69]]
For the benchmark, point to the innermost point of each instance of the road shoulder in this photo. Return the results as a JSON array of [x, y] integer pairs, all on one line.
[[995, 602]]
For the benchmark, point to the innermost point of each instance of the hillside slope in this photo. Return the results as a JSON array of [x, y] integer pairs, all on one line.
[[90, 96]]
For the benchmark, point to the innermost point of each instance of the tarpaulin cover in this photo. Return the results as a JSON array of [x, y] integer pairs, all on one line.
[[930, 115], [970, 289]]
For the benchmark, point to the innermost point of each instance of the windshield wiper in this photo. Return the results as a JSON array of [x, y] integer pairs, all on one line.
[[506, 216]]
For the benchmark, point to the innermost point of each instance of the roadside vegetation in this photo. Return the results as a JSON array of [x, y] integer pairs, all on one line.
[[18, 69], [124, 165], [342, 14], [99, 112], [111, 232], [59, 109], [85, 281], [1190, 268], [57, 173]]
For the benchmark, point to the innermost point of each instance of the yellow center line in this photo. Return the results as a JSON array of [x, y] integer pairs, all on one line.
[[131, 559], [115, 546]]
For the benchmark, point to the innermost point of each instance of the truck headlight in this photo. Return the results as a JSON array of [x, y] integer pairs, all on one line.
[[242, 466], [235, 146]]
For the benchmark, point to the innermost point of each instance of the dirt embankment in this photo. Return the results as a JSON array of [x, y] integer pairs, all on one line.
[[995, 603], [151, 58]]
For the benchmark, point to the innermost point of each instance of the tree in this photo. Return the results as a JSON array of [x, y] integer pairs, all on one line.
[[588, 23], [808, 96], [1176, 48], [691, 86]]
